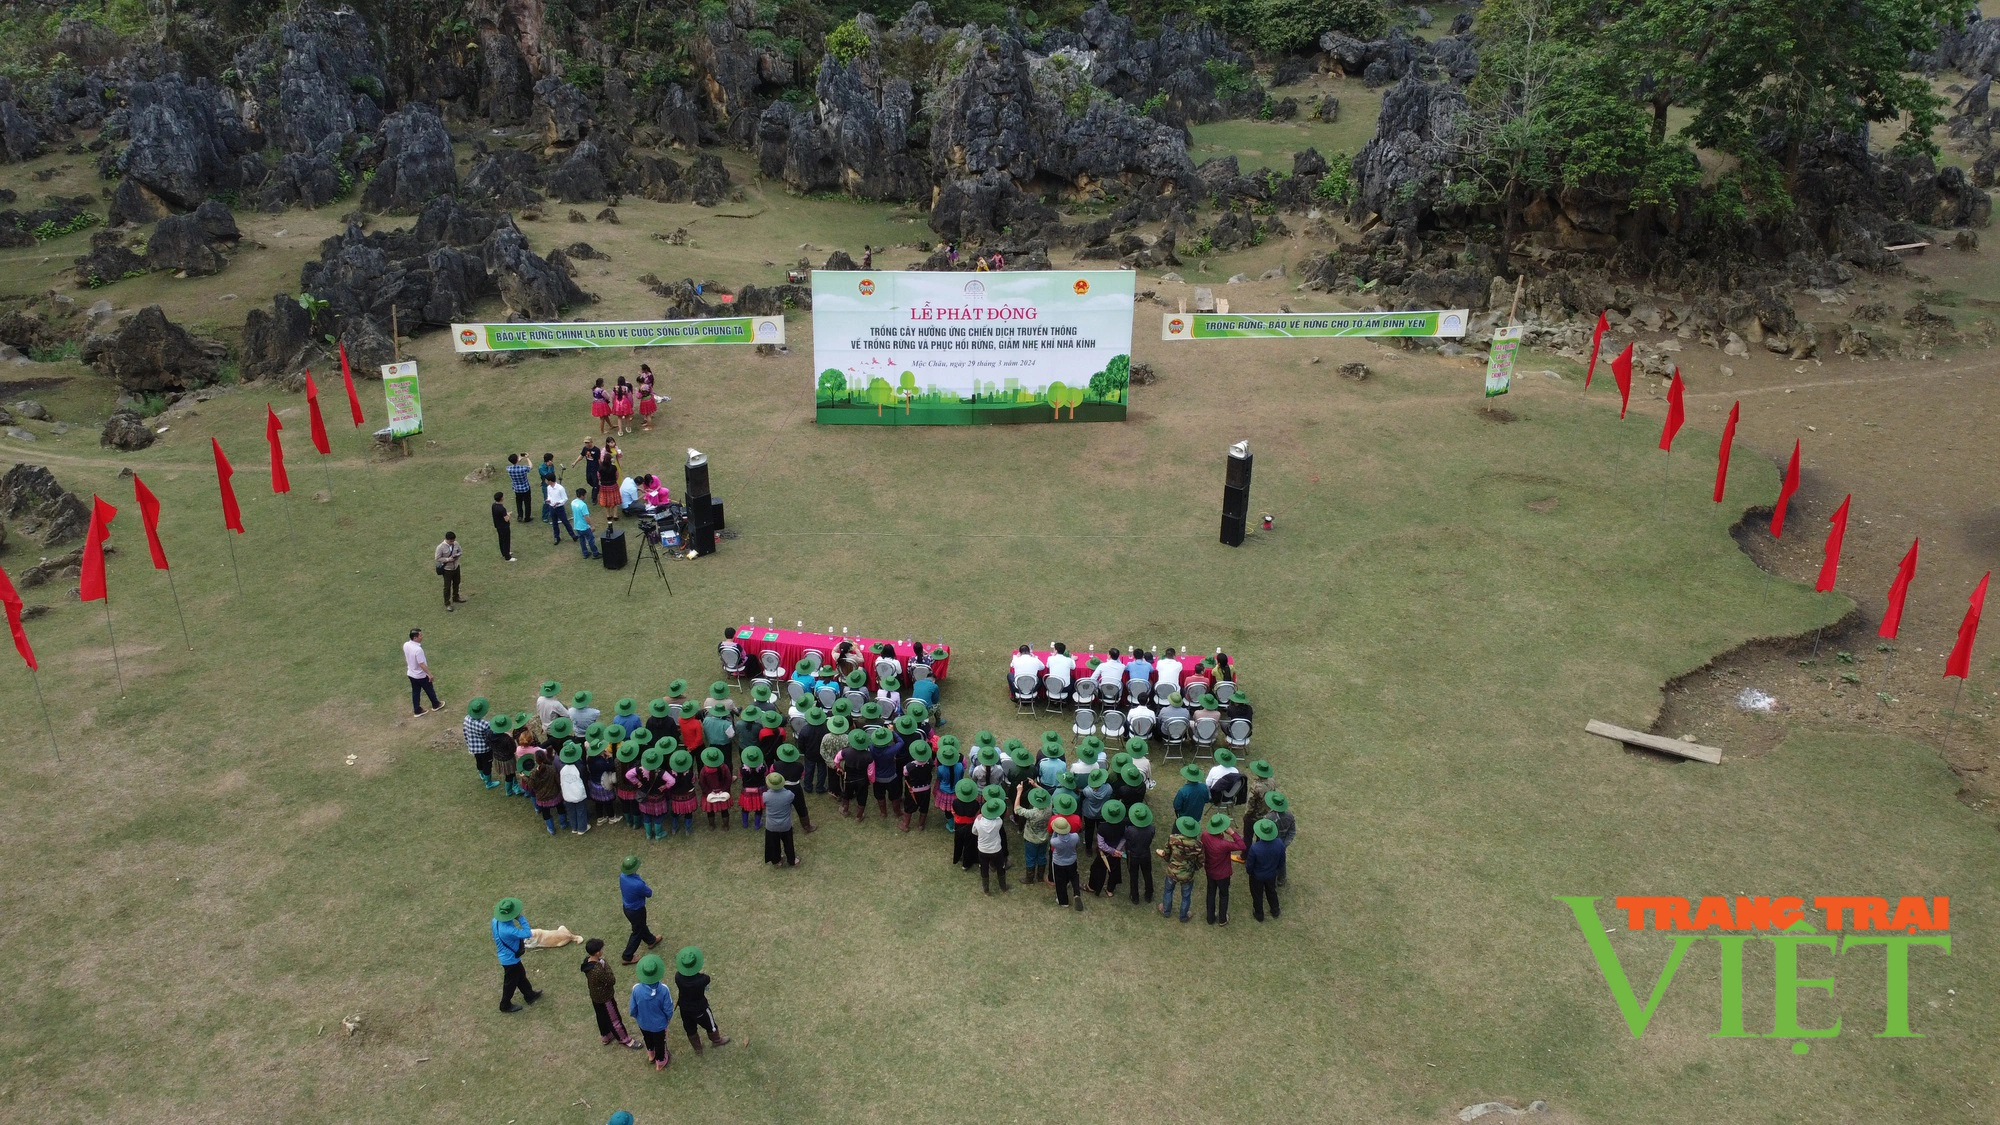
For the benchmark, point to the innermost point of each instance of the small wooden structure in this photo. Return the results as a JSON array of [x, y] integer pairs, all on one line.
[[1674, 746]]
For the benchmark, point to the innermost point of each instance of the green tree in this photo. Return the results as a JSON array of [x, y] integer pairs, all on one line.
[[1073, 398], [832, 384], [1119, 371], [1057, 395], [880, 394], [909, 389]]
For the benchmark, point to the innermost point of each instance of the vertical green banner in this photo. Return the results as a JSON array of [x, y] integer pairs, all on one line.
[[1500, 363], [406, 402]]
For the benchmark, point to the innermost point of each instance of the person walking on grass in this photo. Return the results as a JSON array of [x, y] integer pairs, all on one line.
[[990, 829], [555, 510], [603, 984], [545, 782], [419, 670], [1139, 849], [446, 558], [500, 747], [1062, 861], [510, 934], [652, 1008], [1034, 831], [580, 525], [1278, 809], [917, 776], [1219, 841], [1107, 870], [1183, 858], [632, 895], [778, 820], [691, 988], [600, 406], [1262, 863], [478, 732], [792, 767], [503, 528], [517, 478]]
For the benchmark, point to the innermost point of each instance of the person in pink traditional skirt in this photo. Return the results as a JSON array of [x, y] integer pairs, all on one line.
[[647, 406], [715, 786], [600, 407], [651, 781], [621, 403], [751, 800], [624, 786], [681, 792], [607, 476]]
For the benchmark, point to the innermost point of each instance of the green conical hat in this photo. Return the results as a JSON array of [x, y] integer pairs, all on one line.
[[1208, 701], [642, 736], [1139, 815], [653, 758], [628, 752], [836, 724], [1261, 768], [989, 755], [630, 864], [1065, 802], [948, 740], [753, 756], [1051, 738], [871, 712], [580, 699], [507, 909], [1131, 775], [651, 969], [774, 781], [570, 754], [1192, 773], [614, 733], [905, 725], [856, 679], [1068, 780], [1217, 824], [844, 707], [808, 661], [983, 738], [921, 752], [881, 736], [551, 688], [594, 730], [1225, 757], [628, 706], [667, 744], [947, 752], [1060, 825], [478, 707], [1113, 812], [1189, 827], [520, 721], [1011, 746], [816, 716], [711, 757], [788, 752], [681, 761], [994, 792], [1020, 756], [718, 690], [772, 719], [891, 683], [690, 709], [1276, 802], [1120, 761], [966, 789], [1092, 745], [993, 809], [677, 691], [688, 961], [1136, 747], [760, 693], [499, 724], [917, 709], [1265, 829], [562, 728], [659, 709], [1038, 798], [1098, 777]]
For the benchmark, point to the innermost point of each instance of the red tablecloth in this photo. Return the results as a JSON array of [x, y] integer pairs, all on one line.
[[791, 644], [1083, 660]]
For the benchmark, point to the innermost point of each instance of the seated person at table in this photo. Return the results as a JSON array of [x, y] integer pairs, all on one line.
[[847, 653], [886, 651], [1140, 667], [1238, 707], [889, 693], [1061, 664], [1206, 709], [1139, 707], [655, 494], [1168, 670], [1111, 671], [805, 670], [1025, 663], [730, 647], [826, 675], [628, 496], [1175, 709], [925, 689]]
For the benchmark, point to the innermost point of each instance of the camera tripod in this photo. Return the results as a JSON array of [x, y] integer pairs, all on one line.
[[649, 547]]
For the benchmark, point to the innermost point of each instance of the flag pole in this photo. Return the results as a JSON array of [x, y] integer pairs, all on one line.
[[114, 643], [45, 713], [329, 476], [177, 609], [1666, 478], [228, 538]]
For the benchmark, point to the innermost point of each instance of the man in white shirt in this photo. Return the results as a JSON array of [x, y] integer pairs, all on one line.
[[419, 671], [1136, 711], [1061, 664], [549, 705], [1220, 770], [1168, 670], [628, 494], [555, 510], [1112, 671], [1025, 663]]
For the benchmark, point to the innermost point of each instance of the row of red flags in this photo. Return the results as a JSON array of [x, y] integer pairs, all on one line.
[[1958, 664], [91, 585]]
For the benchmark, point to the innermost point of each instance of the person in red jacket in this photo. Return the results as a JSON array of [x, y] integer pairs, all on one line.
[[1219, 842]]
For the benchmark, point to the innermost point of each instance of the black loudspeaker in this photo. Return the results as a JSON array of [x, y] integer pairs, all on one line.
[[1239, 466], [1232, 528], [715, 516], [703, 540], [697, 479], [1235, 501], [612, 545]]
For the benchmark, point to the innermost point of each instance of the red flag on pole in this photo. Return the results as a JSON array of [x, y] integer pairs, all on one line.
[[1785, 491], [1892, 617], [279, 481], [1722, 458], [232, 516], [320, 441], [1829, 567], [1959, 663], [1621, 369], [149, 514], [10, 598], [91, 585], [347, 377], [1676, 412], [1596, 342]]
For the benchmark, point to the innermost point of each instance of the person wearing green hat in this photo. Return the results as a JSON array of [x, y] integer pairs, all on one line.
[[944, 780], [627, 715], [549, 705], [989, 828], [1127, 783], [1052, 762], [1183, 859], [1219, 841], [984, 766], [885, 754], [1031, 805], [602, 984], [581, 712], [855, 763], [965, 806], [575, 795], [1262, 862], [477, 730], [1063, 843], [691, 989], [510, 935], [889, 693], [918, 770], [1191, 799], [778, 799], [751, 782], [791, 766], [652, 1008], [809, 740], [651, 779], [1262, 783], [633, 891], [1279, 811], [624, 784], [1108, 868], [1090, 801], [544, 781], [500, 747], [716, 782], [661, 719], [600, 774], [682, 797], [833, 739], [1139, 849]]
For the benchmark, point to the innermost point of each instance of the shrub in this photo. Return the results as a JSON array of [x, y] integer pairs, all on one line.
[[1228, 77], [49, 228], [847, 42], [370, 85], [1337, 186]]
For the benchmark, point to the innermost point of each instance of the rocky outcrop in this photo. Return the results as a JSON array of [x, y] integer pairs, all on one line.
[[1379, 62], [856, 138], [531, 287], [109, 260], [507, 177], [1972, 48], [1181, 65], [35, 504], [583, 176], [316, 80], [979, 208], [148, 352], [183, 141], [678, 119], [561, 113], [20, 137], [127, 431], [737, 72], [193, 243], [306, 179], [1398, 173], [416, 163]]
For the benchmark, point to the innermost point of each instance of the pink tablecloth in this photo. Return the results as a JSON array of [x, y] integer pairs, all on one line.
[[790, 644]]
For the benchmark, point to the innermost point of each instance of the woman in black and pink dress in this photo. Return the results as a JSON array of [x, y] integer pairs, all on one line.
[[647, 407], [621, 404], [600, 407]]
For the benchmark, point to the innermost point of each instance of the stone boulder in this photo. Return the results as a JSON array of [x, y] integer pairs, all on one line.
[[127, 431], [1398, 173], [191, 243], [184, 140], [148, 352], [708, 180], [738, 72], [678, 119], [508, 177], [109, 260], [20, 137], [507, 85], [316, 79], [310, 180], [528, 284], [417, 164], [1181, 63], [856, 138], [561, 112], [135, 204], [35, 504], [582, 175], [979, 208], [1972, 48]]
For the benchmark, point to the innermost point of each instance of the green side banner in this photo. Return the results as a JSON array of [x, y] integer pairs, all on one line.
[[618, 334], [406, 401], [1250, 326], [1500, 362]]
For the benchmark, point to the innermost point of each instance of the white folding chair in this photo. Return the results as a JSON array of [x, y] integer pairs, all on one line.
[[1173, 735], [774, 665], [798, 725], [1055, 690], [1025, 688], [919, 672], [1163, 694], [1140, 726], [1112, 726], [734, 664], [1236, 735], [1108, 693], [826, 694], [1085, 691], [1086, 722], [886, 667], [760, 680], [857, 699], [797, 690], [1224, 690], [1138, 691], [1205, 732]]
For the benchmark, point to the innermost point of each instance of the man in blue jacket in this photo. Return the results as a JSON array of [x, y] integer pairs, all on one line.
[[634, 891], [1262, 862], [510, 933], [653, 1008]]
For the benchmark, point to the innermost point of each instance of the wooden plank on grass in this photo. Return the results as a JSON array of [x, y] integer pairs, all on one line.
[[1907, 248], [1675, 746]]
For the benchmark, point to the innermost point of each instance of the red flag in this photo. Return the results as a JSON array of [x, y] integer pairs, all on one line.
[[149, 514], [347, 377], [11, 600], [279, 481], [1676, 412], [91, 586], [318, 424], [1621, 369], [1892, 617], [1829, 567], [1785, 491], [232, 516], [1722, 458], [1959, 663], [1596, 342]]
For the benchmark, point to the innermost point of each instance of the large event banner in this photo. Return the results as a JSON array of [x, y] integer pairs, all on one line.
[[618, 334], [406, 399], [1243, 326], [930, 348]]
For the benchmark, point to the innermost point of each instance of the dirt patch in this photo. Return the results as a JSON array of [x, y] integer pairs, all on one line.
[[23, 386], [1497, 414], [1545, 505], [1981, 531]]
